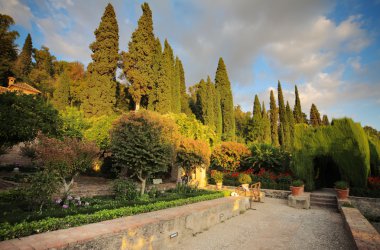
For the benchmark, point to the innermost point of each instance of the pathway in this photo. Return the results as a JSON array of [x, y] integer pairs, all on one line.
[[274, 225]]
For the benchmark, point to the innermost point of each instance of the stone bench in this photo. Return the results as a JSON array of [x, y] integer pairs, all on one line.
[[299, 201]]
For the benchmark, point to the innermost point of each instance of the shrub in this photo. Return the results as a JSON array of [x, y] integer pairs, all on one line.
[[374, 182], [124, 189], [143, 142], [244, 179], [269, 157], [297, 183], [341, 185], [229, 155], [217, 176]]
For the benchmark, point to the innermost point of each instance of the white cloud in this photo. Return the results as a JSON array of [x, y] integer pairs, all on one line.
[[21, 13]]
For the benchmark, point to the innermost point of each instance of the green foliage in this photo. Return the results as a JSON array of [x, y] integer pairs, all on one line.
[[242, 121], [284, 129], [325, 120], [291, 123], [61, 97], [125, 189], [297, 112], [297, 183], [8, 48], [138, 61], [217, 176], [266, 136], [140, 144], [8, 231], [205, 102], [99, 131], [269, 157], [192, 153], [73, 122], [190, 127], [374, 147], [185, 108], [176, 92], [23, 64], [223, 86], [23, 116], [244, 179], [105, 48], [341, 185], [315, 117], [273, 113], [228, 155], [339, 141]]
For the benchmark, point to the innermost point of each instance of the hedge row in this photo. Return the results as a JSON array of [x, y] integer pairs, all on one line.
[[8, 231]]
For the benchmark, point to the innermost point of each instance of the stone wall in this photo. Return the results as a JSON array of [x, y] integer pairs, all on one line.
[[278, 194], [155, 230], [369, 207]]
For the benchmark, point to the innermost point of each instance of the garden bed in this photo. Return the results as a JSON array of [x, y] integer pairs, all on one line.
[[18, 223]]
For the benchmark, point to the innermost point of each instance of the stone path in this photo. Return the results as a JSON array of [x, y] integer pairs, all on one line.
[[274, 225]]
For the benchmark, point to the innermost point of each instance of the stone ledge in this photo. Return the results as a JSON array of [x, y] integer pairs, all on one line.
[[143, 231], [300, 201], [363, 233]]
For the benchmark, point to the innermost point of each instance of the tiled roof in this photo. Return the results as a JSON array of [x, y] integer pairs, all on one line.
[[23, 86], [3, 89]]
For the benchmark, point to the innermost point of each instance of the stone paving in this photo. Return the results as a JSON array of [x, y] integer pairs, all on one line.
[[274, 225]]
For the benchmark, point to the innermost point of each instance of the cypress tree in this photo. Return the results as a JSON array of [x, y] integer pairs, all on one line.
[[138, 61], [273, 119], [210, 102], [105, 49], [100, 96], [325, 120], [298, 117], [266, 128], [185, 108], [176, 88], [315, 117], [164, 93], [203, 103], [217, 113], [152, 95], [223, 85], [61, 97], [23, 65], [255, 126], [282, 116], [291, 122]]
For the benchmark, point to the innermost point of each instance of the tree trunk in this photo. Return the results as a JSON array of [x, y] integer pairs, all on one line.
[[143, 183]]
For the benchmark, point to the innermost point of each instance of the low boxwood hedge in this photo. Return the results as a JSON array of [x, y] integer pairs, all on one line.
[[8, 231]]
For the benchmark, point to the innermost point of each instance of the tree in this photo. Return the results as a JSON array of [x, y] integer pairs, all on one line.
[[217, 112], [184, 96], [255, 131], [140, 143], [325, 120], [291, 122], [266, 137], [153, 93], [176, 91], [23, 116], [164, 93], [23, 64], [8, 48], [138, 61], [297, 112], [242, 121], [315, 117], [205, 102], [105, 49], [228, 155], [273, 119], [223, 86], [284, 123], [65, 158], [192, 153], [62, 97]]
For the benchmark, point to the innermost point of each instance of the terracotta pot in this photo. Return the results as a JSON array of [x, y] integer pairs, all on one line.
[[342, 193], [219, 185], [297, 190]]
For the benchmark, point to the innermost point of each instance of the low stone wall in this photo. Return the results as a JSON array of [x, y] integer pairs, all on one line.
[[363, 233], [369, 207], [278, 194], [155, 230]]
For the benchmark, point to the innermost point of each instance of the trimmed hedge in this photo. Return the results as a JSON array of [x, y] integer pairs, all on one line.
[[8, 231], [345, 141]]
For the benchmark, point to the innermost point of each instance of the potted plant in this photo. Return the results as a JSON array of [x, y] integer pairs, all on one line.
[[297, 187], [244, 180], [218, 178], [342, 190]]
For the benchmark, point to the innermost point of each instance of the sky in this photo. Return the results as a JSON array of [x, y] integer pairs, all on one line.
[[329, 49]]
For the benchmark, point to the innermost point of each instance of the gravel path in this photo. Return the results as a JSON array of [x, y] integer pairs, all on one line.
[[274, 225]]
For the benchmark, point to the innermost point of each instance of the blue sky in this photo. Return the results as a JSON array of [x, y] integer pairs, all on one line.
[[331, 50]]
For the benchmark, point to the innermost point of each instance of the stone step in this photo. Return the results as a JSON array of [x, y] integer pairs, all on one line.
[[326, 196], [324, 204], [323, 199]]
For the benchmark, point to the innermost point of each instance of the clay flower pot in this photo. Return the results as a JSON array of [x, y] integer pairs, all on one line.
[[296, 191], [342, 193], [219, 185]]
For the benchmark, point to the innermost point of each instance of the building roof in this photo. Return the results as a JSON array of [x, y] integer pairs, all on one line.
[[3, 89], [23, 86]]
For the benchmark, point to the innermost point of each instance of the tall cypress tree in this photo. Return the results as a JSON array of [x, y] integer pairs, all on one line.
[[164, 92], [61, 97], [210, 102], [266, 128], [185, 108], [223, 86], [284, 134], [203, 103], [273, 120], [217, 112], [157, 56], [291, 122], [176, 88], [298, 117], [100, 96], [138, 61], [23, 65], [325, 120], [255, 126], [315, 117]]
